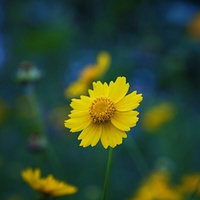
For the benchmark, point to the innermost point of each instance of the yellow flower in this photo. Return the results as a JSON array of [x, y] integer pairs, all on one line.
[[76, 88], [89, 74], [47, 186], [156, 186], [188, 183], [193, 27], [153, 119], [106, 114]]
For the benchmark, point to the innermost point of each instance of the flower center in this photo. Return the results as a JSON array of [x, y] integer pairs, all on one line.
[[101, 109]]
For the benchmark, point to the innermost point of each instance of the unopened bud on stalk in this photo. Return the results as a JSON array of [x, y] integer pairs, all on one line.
[[27, 73], [37, 143]]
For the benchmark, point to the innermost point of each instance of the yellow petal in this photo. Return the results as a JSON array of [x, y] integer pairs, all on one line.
[[111, 136], [66, 189], [118, 89], [80, 104], [90, 135], [124, 120], [96, 137], [37, 173], [26, 175], [92, 94], [78, 123], [47, 185], [77, 113], [100, 89], [76, 88], [86, 99], [129, 102], [103, 62]]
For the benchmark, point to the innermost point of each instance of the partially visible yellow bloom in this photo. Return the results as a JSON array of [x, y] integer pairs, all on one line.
[[88, 75], [47, 186], [76, 88], [154, 118], [156, 186], [193, 27], [188, 183], [105, 115]]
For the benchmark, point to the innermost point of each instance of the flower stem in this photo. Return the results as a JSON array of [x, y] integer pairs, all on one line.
[[38, 122], [107, 173], [45, 197], [195, 191]]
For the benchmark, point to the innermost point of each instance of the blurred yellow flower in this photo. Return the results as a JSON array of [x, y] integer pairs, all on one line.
[[48, 186], [88, 75], [156, 186], [105, 115], [193, 27], [188, 183], [154, 118]]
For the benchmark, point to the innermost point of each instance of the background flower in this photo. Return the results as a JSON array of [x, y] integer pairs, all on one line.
[[47, 186], [189, 182], [88, 75], [158, 115], [157, 186]]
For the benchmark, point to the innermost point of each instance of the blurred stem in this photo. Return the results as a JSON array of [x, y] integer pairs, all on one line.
[[195, 191], [107, 173], [53, 159], [137, 156]]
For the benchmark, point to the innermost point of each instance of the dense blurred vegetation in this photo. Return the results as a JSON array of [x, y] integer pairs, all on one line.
[[154, 44]]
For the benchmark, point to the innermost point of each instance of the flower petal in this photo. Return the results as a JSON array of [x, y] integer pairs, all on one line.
[[76, 88], [129, 102], [67, 189], [100, 89], [78, 123], [91, 93], [77, 113], [118, 89], [111, 136], [90, 135], [124, 120], [81, 104]]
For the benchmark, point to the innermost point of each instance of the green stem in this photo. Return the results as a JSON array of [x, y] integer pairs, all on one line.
[[195, 191], [107, 173], [45, 197], [137, 157], [38, 122]]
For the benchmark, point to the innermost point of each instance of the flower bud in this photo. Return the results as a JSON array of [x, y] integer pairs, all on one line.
[[27, 73], [37, 143]]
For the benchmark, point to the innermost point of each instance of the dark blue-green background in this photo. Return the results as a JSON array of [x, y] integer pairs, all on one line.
[[149, 44]]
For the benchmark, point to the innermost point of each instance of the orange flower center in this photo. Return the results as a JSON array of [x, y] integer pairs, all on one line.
[[101, 109]]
